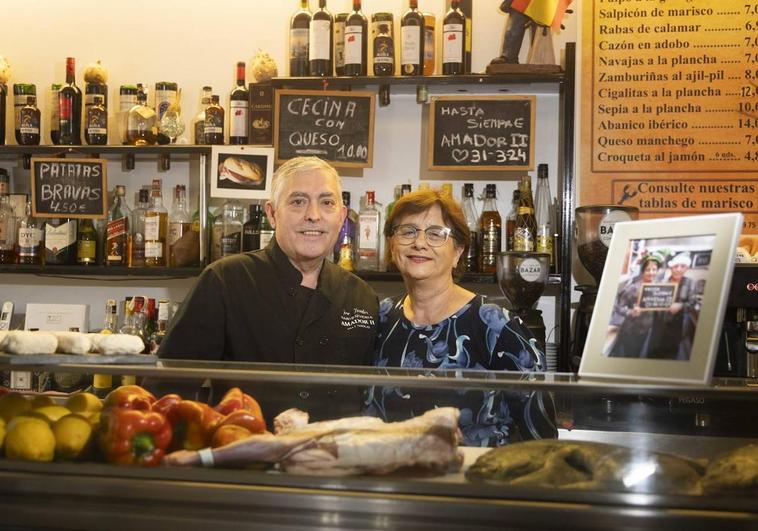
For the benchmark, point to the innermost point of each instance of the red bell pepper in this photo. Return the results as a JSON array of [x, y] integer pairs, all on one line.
[[235, 399], [129, 397], [165, 403], [193, 423], [133, 437], [245, 419]]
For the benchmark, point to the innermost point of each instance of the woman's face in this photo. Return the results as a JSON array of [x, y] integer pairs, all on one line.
[[419, 260], [650, 272]]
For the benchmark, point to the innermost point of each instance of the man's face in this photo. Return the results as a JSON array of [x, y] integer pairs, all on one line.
[[308, 217], [678, 271]]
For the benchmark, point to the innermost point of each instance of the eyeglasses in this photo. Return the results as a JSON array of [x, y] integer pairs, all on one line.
[[435, 236]]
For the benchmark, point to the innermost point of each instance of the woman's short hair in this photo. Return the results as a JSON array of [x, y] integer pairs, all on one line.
[[421, 201], [297, 166]]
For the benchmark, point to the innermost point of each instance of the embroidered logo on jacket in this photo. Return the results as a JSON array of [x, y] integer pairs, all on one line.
[[358, 318]]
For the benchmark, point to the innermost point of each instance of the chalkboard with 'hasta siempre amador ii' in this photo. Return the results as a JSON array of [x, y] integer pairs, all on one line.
[[69, 188], [481, 133], [333, 125]]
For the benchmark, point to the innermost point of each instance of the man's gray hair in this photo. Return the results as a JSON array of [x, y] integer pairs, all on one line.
[[299, 165]]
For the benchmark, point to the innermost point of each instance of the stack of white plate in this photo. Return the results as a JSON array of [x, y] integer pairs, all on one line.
[[551, 355]]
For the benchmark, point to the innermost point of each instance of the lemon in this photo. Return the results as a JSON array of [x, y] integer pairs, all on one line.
[[84, 403], [12, 404], [23, 417], [2, 432], [30, 440], [72, 436], [53, 413], [39, 401]]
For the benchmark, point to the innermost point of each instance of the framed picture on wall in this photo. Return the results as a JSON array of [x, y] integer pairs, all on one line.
[[661, 299], [241, 172]]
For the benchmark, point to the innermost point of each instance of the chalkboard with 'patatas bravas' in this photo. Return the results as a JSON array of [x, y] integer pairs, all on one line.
[[69, 187], [336, 126], [481, 133]]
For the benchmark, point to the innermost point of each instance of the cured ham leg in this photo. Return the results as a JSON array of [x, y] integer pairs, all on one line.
[[345, 446]]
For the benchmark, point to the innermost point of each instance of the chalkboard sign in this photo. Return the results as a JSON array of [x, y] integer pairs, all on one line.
[[71, 188], [656, 296], [481, 133], [333, 125]]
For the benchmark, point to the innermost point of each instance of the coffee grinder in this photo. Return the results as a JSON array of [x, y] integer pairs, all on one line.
[[592, 233], [738, 343], [522, 277]]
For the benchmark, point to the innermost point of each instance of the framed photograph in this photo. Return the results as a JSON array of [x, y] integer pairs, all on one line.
[[661, 299], [241, 172]]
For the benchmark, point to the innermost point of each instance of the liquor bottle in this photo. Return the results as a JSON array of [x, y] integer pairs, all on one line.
[[239, 103], [412, 41], [321, 42], [346, 231], [430, 24], [55, 114], [102, 384], [156, 225], [70, 107], [251, 230], [29, 123], [60, 241], [454, 40], [86, 243], [199, 122], [179, 222], [447, 190], [544, 242], [369, 227], [214, 122], [118, 230], [384, 52], [299, 26], [134, 319], [267, 231], [472, 220], [151, 319], [231, 228], [29, 248], [510, 220], [7, 229], [161, 327], [404, 189], [339, 43], [166, 95], [137, 241], [3, 103], [490, 230], [141, 123], [126, 100], [356, 42], [96, 129], [525, 233]]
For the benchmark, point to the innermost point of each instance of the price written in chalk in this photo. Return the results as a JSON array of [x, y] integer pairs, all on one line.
[[481, 133], [71, 187]]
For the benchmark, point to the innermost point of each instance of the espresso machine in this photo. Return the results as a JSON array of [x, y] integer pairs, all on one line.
[[738, 343]]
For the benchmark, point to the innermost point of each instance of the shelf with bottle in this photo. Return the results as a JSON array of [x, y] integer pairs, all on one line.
[[111, 149], [100, 270]]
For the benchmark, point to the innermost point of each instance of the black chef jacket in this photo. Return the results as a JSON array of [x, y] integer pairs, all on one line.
[[251, 307]]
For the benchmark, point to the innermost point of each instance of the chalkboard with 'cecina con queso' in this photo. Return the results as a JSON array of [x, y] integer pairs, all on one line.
[[481, 133], [333, 125], [71, 188]]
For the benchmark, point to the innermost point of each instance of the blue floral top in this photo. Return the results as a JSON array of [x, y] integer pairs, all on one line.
[[480, 336]]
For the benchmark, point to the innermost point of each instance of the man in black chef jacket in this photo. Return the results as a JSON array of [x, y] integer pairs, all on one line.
[[285, 303]]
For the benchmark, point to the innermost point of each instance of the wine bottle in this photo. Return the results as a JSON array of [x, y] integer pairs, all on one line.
[[320, 44], [86, 243], [454, 40], [339, 44], [491, 231], [412, 41], [299, 27], [472, 220], [356, 45], [60, 241], [70, 107], [384, 52], [239, 104], [525, 233]]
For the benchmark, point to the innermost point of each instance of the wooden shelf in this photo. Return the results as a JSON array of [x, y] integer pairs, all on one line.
[[106, 271], [175, 149]]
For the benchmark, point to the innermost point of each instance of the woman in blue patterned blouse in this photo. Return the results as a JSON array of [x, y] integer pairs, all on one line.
[[438, 324]]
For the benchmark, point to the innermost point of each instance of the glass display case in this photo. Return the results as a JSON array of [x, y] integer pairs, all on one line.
[[627, 456]]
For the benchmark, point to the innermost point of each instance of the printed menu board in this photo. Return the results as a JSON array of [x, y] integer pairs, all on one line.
[[670, 106]]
